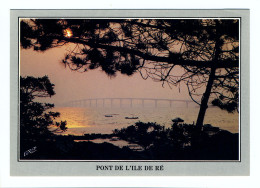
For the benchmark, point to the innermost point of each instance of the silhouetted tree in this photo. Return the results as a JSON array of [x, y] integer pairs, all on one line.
[[201, 53], [144, 134], [35, 119]]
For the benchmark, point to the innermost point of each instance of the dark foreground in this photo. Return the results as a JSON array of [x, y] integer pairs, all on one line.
[[177, 143]]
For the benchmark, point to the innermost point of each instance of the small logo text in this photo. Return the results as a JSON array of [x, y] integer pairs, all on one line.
[[30, 151]]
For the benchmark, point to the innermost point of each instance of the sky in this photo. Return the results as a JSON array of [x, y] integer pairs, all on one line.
[[71, 85]]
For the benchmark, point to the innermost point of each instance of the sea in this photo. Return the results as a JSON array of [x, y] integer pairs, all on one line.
[[87, 120]]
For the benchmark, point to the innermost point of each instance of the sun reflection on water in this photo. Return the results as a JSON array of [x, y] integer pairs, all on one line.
[[75, 117]]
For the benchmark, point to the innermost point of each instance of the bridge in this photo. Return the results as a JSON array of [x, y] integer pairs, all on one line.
[[102, 102]]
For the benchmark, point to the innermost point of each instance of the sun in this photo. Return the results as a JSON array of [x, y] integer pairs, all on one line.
[[67, 33]]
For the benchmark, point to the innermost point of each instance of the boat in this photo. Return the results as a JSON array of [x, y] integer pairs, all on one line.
[[108, 116], [131, 117]]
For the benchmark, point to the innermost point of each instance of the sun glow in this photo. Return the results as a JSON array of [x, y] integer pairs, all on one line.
[[68, 33]]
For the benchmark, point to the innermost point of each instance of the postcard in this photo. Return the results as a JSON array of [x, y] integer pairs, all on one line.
[[129, 92]]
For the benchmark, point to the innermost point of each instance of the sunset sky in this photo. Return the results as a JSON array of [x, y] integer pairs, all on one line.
[[71, 85]]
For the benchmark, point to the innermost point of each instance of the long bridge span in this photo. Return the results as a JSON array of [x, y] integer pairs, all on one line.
[[131, 102]]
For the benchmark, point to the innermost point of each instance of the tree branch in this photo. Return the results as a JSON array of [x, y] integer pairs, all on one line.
[[206, 64]]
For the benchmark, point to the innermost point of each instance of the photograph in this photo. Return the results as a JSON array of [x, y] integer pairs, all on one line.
[[129, 89]]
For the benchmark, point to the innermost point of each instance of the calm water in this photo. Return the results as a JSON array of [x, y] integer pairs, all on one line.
[[92, 119]]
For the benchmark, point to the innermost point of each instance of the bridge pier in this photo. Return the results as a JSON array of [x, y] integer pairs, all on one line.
[[131, 103], [111, 102], [120, 103]]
